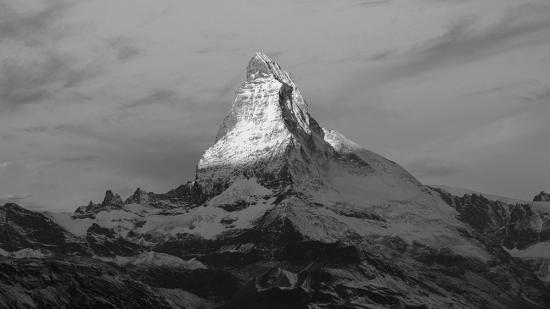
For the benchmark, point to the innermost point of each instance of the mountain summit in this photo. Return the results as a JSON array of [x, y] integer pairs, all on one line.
[[268, 134], [269, 138]]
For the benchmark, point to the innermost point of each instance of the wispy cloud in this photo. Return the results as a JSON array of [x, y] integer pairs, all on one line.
[[125, 48], [25, 81], [429, 167], [467, 40], [153, 97], [13, 198], [76, 159], [32, 27]]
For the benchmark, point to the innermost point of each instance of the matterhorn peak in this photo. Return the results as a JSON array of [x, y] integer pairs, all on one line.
[[268, 134], [261, 66]]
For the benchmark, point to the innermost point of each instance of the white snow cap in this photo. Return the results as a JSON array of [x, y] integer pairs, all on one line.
[[260, 65]]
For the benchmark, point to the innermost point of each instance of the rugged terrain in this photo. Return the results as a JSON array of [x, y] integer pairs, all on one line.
[[282, 213]]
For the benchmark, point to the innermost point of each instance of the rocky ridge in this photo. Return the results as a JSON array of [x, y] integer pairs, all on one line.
[[543, 196]]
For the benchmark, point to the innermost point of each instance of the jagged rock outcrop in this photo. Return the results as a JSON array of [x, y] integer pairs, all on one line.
[[188, 195], [110, 201], [111, 198], [543, 196], [140, 197]]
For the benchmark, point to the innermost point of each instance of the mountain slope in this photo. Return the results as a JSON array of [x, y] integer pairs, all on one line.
[[522, 228], [285, 214]]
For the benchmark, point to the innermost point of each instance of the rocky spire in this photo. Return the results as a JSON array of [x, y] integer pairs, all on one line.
[[268, 134], [139, 197], [111, 199]]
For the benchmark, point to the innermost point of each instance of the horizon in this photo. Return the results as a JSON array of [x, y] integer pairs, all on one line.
[[97, 95]]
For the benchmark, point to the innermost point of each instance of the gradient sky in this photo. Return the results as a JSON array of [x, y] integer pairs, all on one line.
[[102, 94]]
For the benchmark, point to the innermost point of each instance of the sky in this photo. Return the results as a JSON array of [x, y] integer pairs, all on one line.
[[104, 94]]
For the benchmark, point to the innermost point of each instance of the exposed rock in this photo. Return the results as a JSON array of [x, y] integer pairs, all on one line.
[[66, 284], [268, 135], [285, 214], [140, 197], [511, 225], [277, 278], [21, 228], [105, 242], [111, 199], [543, 196]]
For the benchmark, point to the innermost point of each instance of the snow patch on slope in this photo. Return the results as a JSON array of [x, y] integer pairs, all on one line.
[[205, 221], [77, 227], [25, 253], [152, 258], [538, 250], [241, 190]]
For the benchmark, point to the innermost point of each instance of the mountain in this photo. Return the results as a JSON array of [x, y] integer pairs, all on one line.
[[521, 227], [283, 213]]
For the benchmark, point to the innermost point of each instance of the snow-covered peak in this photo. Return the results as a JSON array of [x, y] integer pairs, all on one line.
[[258, 67], [268, 134], [268, 91], [261, 66]]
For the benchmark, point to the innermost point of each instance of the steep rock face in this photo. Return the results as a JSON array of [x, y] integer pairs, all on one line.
[[24, 229], [111, 199], [515, 226], [72, 284], [268, 134], [523, 229]]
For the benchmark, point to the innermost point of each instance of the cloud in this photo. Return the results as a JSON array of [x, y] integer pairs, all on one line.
[[34, 27], [466, 40], [425, 168], [372, 3], [25, 81], [78, 159], [124, 47], [153, 97], [13, 198]]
